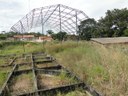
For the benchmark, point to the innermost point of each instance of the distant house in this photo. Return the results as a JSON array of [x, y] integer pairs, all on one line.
[[45, 38], [24, 37]]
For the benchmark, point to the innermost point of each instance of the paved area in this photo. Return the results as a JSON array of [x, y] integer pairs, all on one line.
[[111, 40]]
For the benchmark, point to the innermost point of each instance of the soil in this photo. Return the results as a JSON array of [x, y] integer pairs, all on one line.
[[51, 81], [22, 60], [45, 65], [25, 67], [48, 81], [22, 84], [6, 69], [5, 61]]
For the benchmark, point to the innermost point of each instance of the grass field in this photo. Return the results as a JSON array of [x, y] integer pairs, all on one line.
[[102, 67]]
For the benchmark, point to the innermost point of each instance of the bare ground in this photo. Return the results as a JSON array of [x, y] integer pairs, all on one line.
[[22, 84]]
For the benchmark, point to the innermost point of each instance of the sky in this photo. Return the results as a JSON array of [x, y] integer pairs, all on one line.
[[13, 10]]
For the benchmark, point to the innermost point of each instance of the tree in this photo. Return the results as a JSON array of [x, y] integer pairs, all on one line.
[[87, 28], [125, 32], [114, 23], [59, 36], [50, 32]]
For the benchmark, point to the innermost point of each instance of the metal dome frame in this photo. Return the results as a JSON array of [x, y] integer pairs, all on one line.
[[59, 17]]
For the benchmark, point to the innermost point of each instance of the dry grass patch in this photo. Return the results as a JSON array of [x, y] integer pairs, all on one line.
[[103, 67], [22, 84]]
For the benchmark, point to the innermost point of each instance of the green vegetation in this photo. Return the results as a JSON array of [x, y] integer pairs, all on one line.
[[18, 47], [102, 67], [3, 77], [113, 24]]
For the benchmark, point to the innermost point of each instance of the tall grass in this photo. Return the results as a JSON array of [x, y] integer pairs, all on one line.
[[103, 67], [18, 48]]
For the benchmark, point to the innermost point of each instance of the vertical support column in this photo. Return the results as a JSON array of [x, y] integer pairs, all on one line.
[[77, 26], [42, 22], [60, 21], [60, 16], [22, 35], [34, 76]]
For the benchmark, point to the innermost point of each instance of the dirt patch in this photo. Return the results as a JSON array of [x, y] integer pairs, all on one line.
[[25, 67], [22, 84], [6, 69], [45, 65], [5, 61], [50, 81], [22, 60]]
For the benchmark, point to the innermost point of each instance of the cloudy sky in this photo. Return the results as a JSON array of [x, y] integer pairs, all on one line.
[[13, 10]]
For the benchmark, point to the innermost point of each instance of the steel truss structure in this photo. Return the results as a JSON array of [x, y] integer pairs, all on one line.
[[58, 17]]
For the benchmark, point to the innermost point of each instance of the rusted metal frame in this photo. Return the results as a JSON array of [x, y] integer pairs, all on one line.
[[54, 67], [50, 15], [10, 63], [34, 75], [61, 88], [50, 72], [5, 85], [19, 72], [85, 86], [54, 91]]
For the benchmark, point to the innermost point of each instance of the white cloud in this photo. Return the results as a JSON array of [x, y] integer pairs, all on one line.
[[13, 10]]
